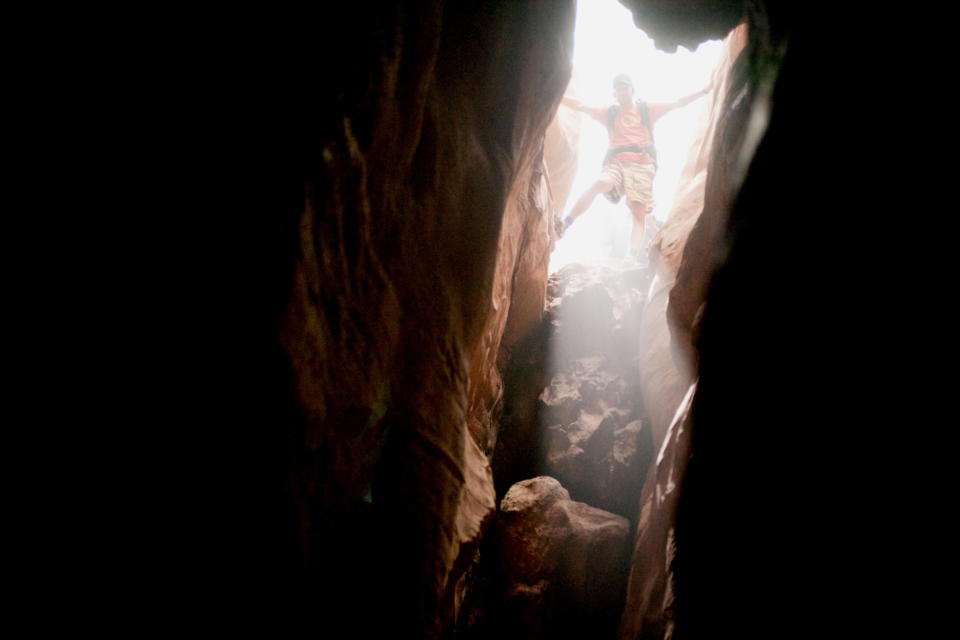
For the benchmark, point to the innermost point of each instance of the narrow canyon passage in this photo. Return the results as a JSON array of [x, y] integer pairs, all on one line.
[[455, 438], [588, 397]]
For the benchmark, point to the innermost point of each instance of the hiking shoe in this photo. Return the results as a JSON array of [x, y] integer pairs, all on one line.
[[560, 226]]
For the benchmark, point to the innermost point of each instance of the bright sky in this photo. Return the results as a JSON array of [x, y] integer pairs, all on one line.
[[606, 43]]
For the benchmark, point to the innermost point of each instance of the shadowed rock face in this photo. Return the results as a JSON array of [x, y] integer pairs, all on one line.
[[686, 23], [666, 364], [747, 528], [689, 249], [416, 204]]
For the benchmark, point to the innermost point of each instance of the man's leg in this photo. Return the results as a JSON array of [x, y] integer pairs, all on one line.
[[602, 185], [639, 212]]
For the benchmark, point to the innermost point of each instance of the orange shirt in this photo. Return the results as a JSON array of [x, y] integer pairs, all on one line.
[[629, 130]]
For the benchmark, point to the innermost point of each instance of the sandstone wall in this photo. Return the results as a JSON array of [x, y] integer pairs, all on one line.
[[560, 152], [752, 524], [422, 208], [667, 371], [667, 367]]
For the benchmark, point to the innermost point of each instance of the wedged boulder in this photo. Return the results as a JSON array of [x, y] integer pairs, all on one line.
[[562, 564]]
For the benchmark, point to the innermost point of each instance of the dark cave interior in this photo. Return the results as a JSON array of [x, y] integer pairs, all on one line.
[[367, 390]]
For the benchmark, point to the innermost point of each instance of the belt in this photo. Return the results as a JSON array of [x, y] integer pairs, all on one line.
[[632, 148]]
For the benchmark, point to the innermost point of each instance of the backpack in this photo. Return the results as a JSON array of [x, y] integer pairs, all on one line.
[[645, 118]]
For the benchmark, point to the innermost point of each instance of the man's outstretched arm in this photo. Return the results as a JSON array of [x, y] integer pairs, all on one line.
[[685, 100], [597, 113], [574, 104]]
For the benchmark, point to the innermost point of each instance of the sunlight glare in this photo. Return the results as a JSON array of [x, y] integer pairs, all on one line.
[[606, 43]]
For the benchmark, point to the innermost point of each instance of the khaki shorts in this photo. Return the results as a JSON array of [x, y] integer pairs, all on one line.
[[633, 179]]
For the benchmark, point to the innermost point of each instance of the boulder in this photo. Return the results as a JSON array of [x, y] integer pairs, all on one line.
[[561, 563]]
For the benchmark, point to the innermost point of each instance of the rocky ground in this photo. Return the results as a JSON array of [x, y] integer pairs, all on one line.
[[574, 447]]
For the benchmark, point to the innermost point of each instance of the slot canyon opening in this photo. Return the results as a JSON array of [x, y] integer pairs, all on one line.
[[589, 394], [607, 43], [585, 354]]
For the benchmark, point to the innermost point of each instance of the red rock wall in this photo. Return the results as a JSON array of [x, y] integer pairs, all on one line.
[[748, 527], [422, 213], [667, 366], [671, 238], [561, 151], [516, 305], [519, 287]]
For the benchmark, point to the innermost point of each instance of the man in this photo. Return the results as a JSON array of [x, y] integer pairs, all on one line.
[[631, 161]]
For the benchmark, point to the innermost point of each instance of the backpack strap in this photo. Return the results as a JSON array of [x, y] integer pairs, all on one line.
[[612, 116], [645, 118]]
